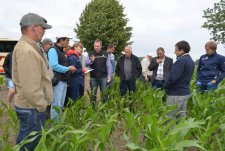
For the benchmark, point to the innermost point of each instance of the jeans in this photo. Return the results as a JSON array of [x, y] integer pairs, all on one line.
[[158, 83], [181, 102], [30, 120], [59, 95], [127, 84], [9, 83], [102, 83], [205, 87]]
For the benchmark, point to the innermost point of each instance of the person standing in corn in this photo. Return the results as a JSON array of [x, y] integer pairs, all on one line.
[[177, 85], [32, 80], [211, 69]]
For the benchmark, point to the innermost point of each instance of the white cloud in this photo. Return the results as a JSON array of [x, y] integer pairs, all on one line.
[[155, 22]]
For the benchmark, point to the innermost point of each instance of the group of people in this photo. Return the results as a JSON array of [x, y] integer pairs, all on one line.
[[41, 74], [175, 78], [44, 73]]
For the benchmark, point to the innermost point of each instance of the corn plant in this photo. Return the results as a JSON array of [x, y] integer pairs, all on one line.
[[2, 80], [9, 126], [141, 118]]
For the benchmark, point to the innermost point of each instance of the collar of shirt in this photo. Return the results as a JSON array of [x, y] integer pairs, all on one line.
[[182, 55]]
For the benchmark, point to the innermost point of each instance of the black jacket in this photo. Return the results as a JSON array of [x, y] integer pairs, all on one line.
[[136, 67], [99, 64], [168, 62], [8, 65]]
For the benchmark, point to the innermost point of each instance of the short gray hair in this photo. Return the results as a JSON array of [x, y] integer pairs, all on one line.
[[128, 46]]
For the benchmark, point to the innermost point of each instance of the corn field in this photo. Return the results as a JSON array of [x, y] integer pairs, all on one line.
[[135, 122]]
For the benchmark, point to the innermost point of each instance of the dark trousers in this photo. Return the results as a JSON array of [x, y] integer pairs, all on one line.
[[30, 120], [76, 91], [158, 83], [127, 84]]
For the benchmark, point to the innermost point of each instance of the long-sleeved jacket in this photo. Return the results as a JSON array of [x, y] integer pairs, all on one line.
[[178, 82], [8, 65], [136, 67], [145, 62], [75, 60], [211, 67], [30, 76], [168, 62]]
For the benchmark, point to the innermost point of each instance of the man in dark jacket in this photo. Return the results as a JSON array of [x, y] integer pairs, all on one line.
[[8, 73], [211, 68], [99, 61], [177, 85], [128, 69], [160, 66]]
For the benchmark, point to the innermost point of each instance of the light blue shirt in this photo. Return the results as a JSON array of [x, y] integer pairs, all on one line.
[[53, 61], [112, 60]]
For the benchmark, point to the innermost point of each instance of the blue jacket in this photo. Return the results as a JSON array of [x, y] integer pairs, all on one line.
[[74, 60], [178, 82], [211, 67], [112, 60]]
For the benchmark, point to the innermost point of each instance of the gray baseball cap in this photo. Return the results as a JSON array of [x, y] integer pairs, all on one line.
[[63, 37], [34, 19], [47, 41]]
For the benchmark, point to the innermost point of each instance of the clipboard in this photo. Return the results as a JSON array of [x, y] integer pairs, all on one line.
[[88, 70]]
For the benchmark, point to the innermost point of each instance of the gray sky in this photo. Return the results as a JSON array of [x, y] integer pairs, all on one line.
[[156, 23]]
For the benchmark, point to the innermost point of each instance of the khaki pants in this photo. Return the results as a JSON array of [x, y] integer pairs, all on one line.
[[181, 102]]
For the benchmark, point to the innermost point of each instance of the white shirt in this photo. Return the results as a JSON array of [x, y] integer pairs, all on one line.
[[145, 62], [160, 73]]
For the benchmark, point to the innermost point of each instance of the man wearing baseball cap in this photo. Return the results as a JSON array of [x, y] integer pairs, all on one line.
[[32, 80], [60, 66], [46, 44]]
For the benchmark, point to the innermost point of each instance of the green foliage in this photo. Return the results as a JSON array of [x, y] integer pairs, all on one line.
[[134, 122], [2, 80], [9, 126], [105, 20], [215, 21]]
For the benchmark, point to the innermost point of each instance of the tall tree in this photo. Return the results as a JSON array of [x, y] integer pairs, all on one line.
[[105, 20], [216, 21]]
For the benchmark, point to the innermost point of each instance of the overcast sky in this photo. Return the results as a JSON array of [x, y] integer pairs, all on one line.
[[156, 23]]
